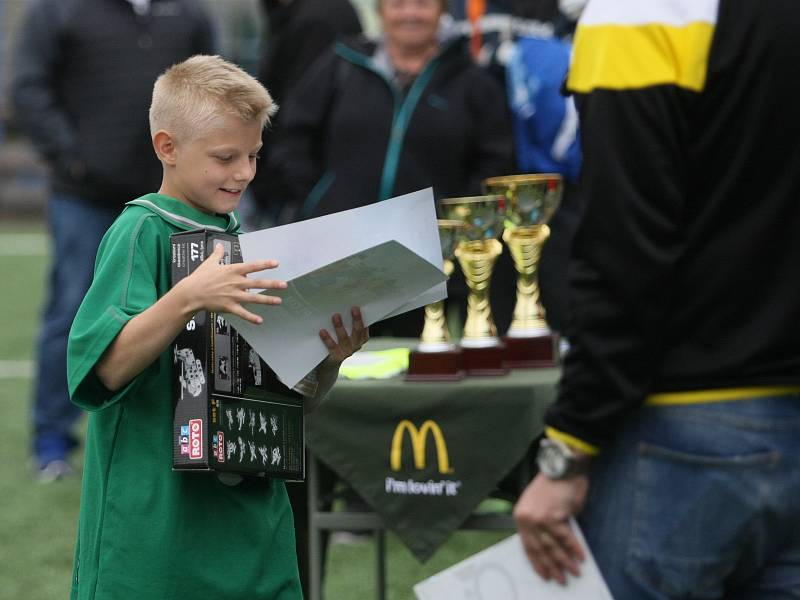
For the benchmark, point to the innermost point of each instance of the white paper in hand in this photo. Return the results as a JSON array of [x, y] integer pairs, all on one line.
[[315, 253], [502, 572], [378, 280]]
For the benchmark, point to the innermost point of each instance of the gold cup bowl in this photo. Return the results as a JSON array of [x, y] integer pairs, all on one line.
[[477, 251]]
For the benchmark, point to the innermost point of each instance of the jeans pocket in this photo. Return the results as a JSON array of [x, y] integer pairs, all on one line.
[[691, 514]]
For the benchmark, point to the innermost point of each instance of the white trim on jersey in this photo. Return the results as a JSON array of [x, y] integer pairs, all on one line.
[[643, 12]]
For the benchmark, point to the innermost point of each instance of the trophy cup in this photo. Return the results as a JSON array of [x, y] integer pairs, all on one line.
[[436, 358], [477, 251], [532, 200]]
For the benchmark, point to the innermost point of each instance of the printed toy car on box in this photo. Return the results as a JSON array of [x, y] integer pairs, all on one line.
[[231, 413]]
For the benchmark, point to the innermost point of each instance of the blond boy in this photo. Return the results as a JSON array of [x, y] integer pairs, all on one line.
[[147, 532]]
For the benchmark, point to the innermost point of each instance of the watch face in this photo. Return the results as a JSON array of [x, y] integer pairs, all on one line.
[[553, 460]]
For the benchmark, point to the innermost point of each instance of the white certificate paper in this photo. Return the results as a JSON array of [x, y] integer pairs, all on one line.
[[385, 258], [503, 572]]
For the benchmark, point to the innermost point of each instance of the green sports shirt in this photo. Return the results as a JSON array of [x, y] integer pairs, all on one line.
[[145, 531]]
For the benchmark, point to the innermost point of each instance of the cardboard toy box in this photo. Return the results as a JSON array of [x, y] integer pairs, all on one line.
[[231, 413]]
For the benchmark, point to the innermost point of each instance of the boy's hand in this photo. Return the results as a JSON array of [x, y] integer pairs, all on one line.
[[347, 345], [224, 288]]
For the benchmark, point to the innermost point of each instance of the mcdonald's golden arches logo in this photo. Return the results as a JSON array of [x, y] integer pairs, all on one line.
[[419, 439]]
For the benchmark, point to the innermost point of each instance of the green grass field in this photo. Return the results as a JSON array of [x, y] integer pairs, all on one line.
[[37, 522]]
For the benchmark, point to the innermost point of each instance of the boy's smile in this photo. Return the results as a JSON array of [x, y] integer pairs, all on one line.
[[210, 172]]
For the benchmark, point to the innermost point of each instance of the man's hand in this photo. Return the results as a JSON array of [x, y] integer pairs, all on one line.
[[345, 344], [542, 515]]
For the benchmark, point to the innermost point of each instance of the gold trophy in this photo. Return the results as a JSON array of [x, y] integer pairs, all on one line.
[[436, 358], [477, 251], [531, 202]]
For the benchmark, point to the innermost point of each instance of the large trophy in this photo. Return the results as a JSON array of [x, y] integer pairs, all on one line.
[[436, 358], [531, 200], [477, 251]]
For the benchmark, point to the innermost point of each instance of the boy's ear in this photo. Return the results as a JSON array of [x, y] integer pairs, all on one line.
[[165, 147]]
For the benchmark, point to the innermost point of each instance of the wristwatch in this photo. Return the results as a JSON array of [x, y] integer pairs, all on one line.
[[556, 460]]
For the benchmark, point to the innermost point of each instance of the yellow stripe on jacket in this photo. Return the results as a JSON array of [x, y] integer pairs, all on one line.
[[682, 398], [625, 57], [718, 395]]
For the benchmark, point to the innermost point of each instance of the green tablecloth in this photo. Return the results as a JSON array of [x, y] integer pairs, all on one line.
[[424, 455]]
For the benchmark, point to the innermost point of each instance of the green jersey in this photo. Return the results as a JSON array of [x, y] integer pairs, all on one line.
[[145, 531]]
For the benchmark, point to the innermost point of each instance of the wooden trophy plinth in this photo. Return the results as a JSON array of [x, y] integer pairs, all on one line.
[[441, 365], [531, 352], [487, 361]]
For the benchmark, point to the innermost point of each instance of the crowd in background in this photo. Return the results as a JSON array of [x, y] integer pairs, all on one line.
[[682, 366], [363, 118]]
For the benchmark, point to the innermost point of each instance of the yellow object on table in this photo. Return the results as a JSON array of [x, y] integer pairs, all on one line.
[[380, 364]]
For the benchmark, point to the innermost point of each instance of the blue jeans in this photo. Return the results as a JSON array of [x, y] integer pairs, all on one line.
[[701, 501], [76, 228]]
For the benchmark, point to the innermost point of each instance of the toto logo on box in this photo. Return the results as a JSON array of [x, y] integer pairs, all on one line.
[[195, 439]]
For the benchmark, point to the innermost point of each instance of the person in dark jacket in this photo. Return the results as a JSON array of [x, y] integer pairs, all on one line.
[[373, 120], [677, 420], [298, 31], [81, 90]]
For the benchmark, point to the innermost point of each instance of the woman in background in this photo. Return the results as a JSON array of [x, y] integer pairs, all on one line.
[[376, 119]]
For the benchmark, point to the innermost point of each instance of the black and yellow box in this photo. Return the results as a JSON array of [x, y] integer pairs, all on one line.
[[231, 413]]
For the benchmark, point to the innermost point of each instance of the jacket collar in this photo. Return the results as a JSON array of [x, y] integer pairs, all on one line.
[[185, 217], [363, 50]]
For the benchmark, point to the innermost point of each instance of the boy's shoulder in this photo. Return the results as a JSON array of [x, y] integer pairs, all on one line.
[[154, 217], [133, 220], [135, 226]]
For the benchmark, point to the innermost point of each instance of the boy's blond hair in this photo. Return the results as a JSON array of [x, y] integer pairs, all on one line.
[[189, 96]]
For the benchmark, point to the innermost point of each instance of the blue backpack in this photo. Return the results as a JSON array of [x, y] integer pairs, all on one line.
[[545, 122]]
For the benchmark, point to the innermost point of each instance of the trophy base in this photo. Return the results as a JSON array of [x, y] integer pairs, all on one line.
[[531, 352], [486, 361], [446, 365]]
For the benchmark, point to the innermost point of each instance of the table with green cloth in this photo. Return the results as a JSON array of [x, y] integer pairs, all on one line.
[[423, 455]]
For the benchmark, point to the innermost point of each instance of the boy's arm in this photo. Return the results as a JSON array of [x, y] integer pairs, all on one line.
[[216, 287], [339, 349]]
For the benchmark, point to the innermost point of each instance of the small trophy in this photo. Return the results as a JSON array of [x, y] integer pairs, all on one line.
[[477, 251], [532, 200], [436, 358]]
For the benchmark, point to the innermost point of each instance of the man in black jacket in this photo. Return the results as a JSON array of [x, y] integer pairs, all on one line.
[[680, 395], [81, 89]]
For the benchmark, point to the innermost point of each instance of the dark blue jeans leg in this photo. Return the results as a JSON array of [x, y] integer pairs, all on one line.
[[700, 502], [76, 228]]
